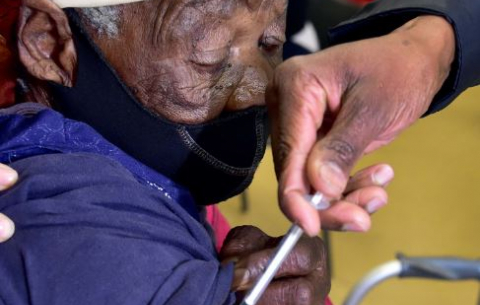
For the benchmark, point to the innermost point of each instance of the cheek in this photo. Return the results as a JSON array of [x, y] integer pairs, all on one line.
[[180, 91], [172, 82]]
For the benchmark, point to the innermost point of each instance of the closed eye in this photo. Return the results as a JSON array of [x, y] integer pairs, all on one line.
[[211, 61], [271, 45]]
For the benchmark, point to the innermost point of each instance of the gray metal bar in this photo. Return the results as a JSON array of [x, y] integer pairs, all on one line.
[[378, 275]]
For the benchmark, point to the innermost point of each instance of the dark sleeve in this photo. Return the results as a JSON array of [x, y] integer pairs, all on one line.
[[383, 16], [296, 16], [89, 233]]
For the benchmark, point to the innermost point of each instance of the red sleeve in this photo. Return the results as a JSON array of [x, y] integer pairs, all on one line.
[[8, 17]]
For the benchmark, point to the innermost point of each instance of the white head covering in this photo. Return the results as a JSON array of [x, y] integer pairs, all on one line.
[[91, 3]]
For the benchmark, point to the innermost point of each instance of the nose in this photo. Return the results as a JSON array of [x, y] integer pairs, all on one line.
[[256, 73], [250, 91]]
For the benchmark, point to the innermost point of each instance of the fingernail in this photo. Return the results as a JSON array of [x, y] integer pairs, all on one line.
[[374, 205], [7, 228], [383, 176], [353, 227], [241, 278], [311, 229], [8, 177], [333, 176]]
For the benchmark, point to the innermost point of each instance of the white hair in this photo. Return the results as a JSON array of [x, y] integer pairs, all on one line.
[[105, 20]]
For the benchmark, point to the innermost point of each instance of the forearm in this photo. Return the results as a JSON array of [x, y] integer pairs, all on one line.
[[433, 40], [383, 17]]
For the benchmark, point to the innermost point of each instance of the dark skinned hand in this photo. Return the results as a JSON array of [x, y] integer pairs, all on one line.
[[330, 108], [303, 278]]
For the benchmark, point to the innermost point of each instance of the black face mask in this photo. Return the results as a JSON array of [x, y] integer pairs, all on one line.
[[215, 160]]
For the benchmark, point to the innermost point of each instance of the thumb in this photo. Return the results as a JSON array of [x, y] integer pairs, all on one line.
[[333, 158], [293, 136]]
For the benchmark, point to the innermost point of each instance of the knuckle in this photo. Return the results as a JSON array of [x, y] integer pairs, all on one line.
[[344, 152], [304, 292], [293, 65], [321, 256], [283, 150], [321, 249], [308, 256], [249, 231], [301, 261], [296, 69], [241, 240]]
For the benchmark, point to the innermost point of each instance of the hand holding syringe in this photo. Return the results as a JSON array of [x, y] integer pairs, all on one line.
[[283, 250]]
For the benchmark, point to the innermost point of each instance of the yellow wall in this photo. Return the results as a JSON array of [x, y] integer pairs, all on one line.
[[434, 209]]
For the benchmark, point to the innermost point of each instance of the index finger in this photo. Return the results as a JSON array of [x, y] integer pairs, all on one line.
[[296, 110], [308, 255]]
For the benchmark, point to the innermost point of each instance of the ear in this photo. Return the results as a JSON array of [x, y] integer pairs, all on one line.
[[45, 43]]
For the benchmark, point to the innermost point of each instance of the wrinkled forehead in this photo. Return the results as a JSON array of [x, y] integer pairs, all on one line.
[[204, 20], [227, 7], [221, 6]]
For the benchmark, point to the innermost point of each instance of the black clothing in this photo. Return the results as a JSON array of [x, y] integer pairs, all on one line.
[[383, 16]]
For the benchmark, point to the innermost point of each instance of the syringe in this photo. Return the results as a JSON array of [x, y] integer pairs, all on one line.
[[283, 250]]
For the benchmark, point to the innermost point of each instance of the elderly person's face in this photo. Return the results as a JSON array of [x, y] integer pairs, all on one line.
[[186, 60], [191, 60]]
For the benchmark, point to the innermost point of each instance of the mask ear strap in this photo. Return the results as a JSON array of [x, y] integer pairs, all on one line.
[[91, 3]]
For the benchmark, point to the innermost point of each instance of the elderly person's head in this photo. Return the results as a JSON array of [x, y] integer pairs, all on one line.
[[172, 82]]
